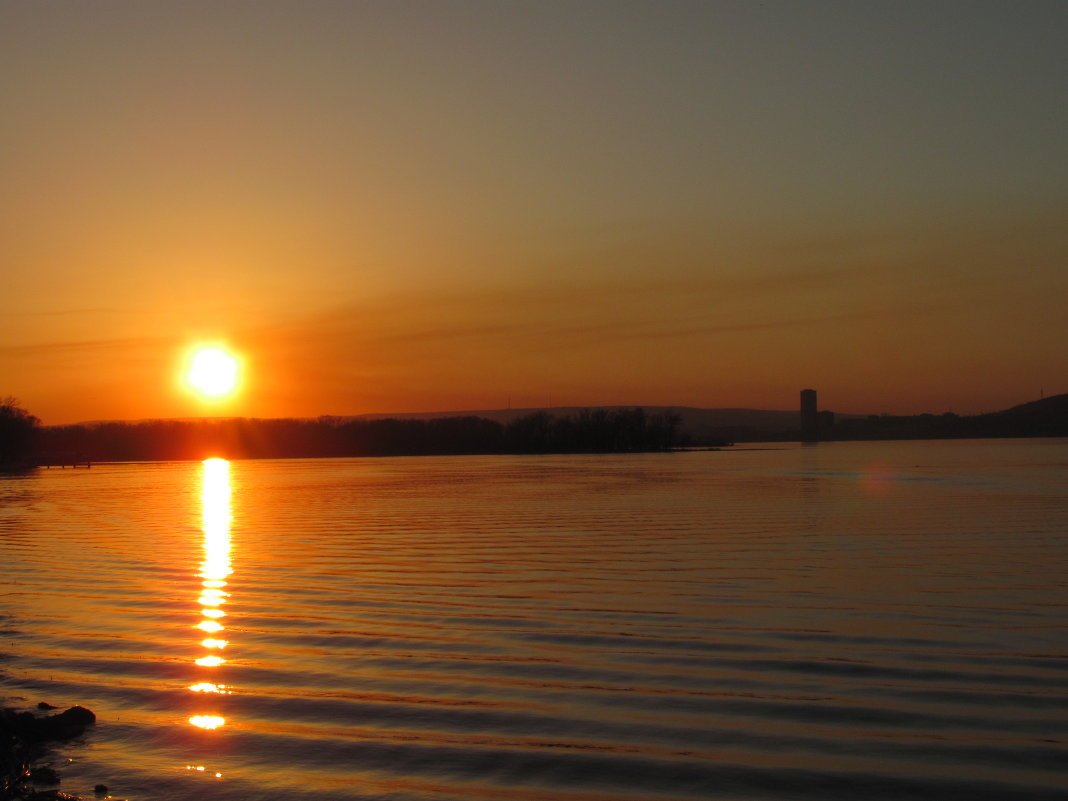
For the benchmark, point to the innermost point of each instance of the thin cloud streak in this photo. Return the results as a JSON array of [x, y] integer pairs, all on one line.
[[64, 312], [47, 349]]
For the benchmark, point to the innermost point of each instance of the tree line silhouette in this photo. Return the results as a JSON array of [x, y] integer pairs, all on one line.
[[588, 431], [18, 430], [24, 442]]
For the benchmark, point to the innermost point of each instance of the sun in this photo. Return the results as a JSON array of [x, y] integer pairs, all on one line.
[[213, 372]]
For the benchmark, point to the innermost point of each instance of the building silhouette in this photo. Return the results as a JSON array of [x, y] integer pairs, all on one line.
[[809, 416]]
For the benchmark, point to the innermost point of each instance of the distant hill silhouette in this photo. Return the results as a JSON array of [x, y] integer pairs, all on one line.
[[1047, 417], [699, 426], [555, 429], [1051, 408]]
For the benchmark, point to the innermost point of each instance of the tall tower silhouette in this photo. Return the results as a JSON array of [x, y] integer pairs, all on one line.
[[809, 416]]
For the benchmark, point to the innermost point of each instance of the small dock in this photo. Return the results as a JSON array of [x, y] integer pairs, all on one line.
[[63, 460]]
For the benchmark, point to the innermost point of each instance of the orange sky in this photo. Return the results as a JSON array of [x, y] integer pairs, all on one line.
[[422, 206]]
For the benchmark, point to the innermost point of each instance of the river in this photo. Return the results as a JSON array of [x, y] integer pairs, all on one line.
[[841, 621]]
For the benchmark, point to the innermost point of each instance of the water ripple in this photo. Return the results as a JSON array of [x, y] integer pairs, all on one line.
[[751, 625]]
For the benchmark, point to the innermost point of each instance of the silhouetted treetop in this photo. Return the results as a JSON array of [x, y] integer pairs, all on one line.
[[18, 430]]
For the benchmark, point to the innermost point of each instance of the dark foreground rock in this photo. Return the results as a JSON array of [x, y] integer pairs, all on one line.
[[44, 776], [66, 725], [24, 738]]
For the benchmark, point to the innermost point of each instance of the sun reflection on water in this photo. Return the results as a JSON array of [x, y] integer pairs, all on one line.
[[201, 769], [207, 721], [208, 687], [214, 572]]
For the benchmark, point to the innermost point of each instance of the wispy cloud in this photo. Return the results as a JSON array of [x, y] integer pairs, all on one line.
[[64, 312], [85, 346]]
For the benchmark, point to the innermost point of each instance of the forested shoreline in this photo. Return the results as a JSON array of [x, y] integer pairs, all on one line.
[[24, 442], [589, 431]]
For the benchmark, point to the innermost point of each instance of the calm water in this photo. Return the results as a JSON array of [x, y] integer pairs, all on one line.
[[847, 621]]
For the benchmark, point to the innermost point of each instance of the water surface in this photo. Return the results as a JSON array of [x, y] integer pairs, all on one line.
[[862, 620]]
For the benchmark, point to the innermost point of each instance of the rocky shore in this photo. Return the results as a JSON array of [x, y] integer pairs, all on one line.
[[24, 739]]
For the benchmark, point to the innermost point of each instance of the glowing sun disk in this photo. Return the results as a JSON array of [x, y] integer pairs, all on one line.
[[212, 372]]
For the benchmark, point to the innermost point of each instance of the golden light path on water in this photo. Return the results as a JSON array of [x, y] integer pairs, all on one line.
[[214, 571]]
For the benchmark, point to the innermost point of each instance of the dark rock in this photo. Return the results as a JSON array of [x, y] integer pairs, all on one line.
[[78, 716], [64, 726], [100, 789], [24, 738], [46, 705], [23, 722], [44, 776]]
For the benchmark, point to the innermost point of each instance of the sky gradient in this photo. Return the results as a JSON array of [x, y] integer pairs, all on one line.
[[423, 206]]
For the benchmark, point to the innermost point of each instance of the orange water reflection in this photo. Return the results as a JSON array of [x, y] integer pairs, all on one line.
[[215, 569], [207, 721], [201, 769]]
